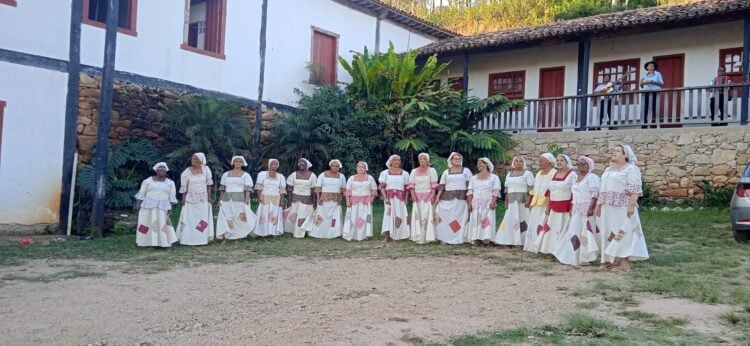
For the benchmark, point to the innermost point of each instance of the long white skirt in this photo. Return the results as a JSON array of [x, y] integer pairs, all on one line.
[[422, 227], [154, 228], [358, 222], [196, 226], [451, 221], [482, 222], [547, 240], [578, 245], [629, 240], [235, 221], [325, 222], [509, 232], [295, 217], [396, 220], [270, 220], [536, 220]]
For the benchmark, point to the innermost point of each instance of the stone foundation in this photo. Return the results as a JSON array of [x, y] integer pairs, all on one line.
[[673, 161], [137, 111]]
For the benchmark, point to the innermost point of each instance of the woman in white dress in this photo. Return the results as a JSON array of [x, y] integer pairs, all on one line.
[[481, 196], [327, 219], [300, 185], [154, 203], [236, 220], [517, 200], [360, 191], [392, 184], [271, 188], [538, 204], [196, 226], [560, 194], [452, 212], [617, 208], [579, 244], [423, 182]]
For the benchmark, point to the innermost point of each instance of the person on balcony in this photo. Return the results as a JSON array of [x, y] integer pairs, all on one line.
[[154, 204], [236, 220], [452, 211], [196, 226], [361, 189], [327, 219], [619, 221], [580, 243], [423, 182], [721, 80], [518, 183], [271, 188], [560, 194], [606, 88], [652, 83], [300, 185], [539, 201], [393, 183], [481, 197]]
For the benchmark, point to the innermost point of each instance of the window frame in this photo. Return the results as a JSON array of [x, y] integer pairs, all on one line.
[[133, 20], [736, 77], [222, 33], [492, 76], [11, 3], [635, 62], [337, 37]]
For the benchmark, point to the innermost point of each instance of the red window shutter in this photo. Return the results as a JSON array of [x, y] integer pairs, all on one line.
[[215, 14], [323, 59], [510, 84], [731, 60]]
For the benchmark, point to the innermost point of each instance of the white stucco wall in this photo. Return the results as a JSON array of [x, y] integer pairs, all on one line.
[[33, 131], [39, 27], [700, 45], [403, 39], [155, 51]]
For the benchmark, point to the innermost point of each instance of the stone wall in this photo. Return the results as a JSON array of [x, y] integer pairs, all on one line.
[[673, 161], [138, 112]]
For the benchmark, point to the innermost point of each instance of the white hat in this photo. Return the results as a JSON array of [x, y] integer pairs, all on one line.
[[568, 161], [522, 160], [629, 153], [394, 156], [244, 163], [490, 166], [161, 164], [330, 163], [201, 157], [452, 155], [308, 163]]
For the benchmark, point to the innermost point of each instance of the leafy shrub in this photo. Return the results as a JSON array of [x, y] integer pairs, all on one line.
[[649, 197], [715, 196]]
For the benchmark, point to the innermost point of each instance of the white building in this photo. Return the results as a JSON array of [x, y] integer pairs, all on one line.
[[554, 66], [209, 47]]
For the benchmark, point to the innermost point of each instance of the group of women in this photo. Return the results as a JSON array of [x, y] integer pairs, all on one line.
[[574, 216]]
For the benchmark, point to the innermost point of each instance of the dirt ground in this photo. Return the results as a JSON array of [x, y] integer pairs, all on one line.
[[283, 301]]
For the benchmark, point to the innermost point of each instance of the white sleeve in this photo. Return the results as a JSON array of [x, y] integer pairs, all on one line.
[[433, 176], [444, 177], [290, 180], [495, 185], [470, 189], [529, 178], [282, 183], [261, 179], [141, 195], [223, 180], [383, 177], [248, 182]]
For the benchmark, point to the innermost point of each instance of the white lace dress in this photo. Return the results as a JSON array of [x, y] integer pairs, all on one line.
[[154, 227], [452, 211], [326, 222], [482, 220], [396, 216], [301, 201], [358, 218], [515, 222], [580, 242], [622, 236], [196, 226], [235, 220], [270, 214], [422, 210]]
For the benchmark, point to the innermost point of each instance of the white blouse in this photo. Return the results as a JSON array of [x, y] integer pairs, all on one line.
[[330, 184], [562, 190], [455, 181], [423, 183], [393, 181], [269, 186], [157, 194], [195, 186], [361, 188], [483, 190], [584, 191], [302, 187], [618, 184], [520, 183], [236, 184]]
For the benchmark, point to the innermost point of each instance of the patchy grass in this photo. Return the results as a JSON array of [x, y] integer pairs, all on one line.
[[61, 275], [583, 329], [647, 317]]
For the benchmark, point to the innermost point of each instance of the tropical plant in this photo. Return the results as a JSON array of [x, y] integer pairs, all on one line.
[[127, 165], [214, 127], [715, 196]]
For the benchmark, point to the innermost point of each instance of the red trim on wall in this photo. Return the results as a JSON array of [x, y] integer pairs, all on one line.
[[133, 19], [186, 47], [216, 26], [8, 2]]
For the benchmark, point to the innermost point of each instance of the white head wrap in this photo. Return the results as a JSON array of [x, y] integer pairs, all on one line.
[[588, 162], [201, 157], [330, 163], [366, 166], [271, 160], [388, 163], [451, 156], [244, 163], [307, 163], [568, 161], [425, 155], [522, 160], [629, 153], [490, 166], [549, 157], [161, 164]]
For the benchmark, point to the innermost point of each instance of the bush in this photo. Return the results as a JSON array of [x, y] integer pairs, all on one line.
[[649, 197], [715, 196]]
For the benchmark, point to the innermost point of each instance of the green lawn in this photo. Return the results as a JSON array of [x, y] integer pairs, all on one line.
[[693, 255]]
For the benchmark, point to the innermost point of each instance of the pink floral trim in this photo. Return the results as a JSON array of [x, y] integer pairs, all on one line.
[[619, 199], [381, 186], [433, 185], [409, 186], [397, 194], [196, 197], [581, 208], [632, 188], [481, 202], [347, 192], [366, 200], [423, 196]]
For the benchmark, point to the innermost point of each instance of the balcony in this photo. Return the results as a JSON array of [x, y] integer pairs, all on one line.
[[676, 107]]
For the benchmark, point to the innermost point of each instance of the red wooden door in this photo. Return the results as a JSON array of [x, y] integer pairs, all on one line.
[[324, 59], [551, 84], [672, 69]]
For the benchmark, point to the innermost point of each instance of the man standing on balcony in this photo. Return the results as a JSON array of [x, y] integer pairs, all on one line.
[[651, 82], [721, 80], [603, 88]]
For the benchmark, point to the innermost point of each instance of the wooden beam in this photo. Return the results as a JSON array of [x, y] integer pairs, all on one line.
[[745, 71], [584, 53]]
